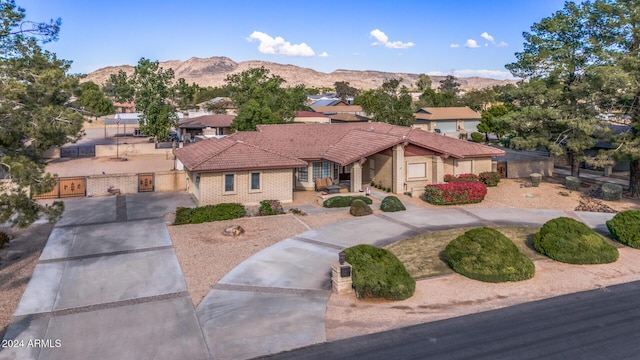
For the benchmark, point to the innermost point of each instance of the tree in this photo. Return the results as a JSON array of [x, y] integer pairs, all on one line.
[[390, 103], [185, 94], [119, 87], [449, 84], [92, 100], [558, 50], [433, 98], [478, 99], [261, 99], [491, 121], [616, 27], [153, 89], [34, 91], [424, 82], [344, 91]]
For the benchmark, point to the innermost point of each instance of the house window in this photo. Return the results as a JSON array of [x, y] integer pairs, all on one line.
[[303, 174], [229, 182], [255, 181], [416, 171], [321, 170]]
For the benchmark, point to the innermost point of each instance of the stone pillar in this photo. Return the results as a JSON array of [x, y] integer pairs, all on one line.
[[397, 163], [356, 177], [437, 173], [341, 278]]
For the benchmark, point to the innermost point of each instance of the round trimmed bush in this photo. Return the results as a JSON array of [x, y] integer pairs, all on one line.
[[572, 183], [344, 201], [570, 241], [477, 137], [359, 208], [377, 273], [391, 203], [485, 254], [625, 227]]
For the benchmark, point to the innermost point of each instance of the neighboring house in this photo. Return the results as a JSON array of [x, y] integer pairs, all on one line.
[[347, 118], [401, 158], [124, 108], [447, 120], [338, 109], [311, 117], [207, 126], [222, 104]]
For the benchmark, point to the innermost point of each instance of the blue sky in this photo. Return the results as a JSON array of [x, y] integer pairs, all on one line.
[[463, 38]]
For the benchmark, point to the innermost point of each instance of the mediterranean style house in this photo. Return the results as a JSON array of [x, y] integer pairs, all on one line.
[[274, 161]]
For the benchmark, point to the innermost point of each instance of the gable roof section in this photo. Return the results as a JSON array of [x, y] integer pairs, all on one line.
[[201, 122], [446, 113], [358, 144], [460, 149], [227, 154]]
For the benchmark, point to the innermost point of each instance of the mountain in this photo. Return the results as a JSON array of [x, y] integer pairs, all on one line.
[[213, 71]]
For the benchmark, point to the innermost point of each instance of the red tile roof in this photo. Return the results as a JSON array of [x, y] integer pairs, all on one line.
[[201, 122], [333, 141], [226, 154]]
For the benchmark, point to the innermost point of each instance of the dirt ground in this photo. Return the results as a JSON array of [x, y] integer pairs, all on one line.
[[15, 274]]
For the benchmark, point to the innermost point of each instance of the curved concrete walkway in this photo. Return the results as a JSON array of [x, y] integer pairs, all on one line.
[[276, 300]]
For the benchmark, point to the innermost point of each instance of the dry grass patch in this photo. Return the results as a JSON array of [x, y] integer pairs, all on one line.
[[423, 255]]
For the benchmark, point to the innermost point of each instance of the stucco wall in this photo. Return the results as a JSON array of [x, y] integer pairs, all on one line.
[[274, 185], [97, 185], [383, 170], [518, 169], [132, 149]]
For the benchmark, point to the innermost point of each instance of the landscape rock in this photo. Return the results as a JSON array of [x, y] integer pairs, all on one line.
[[234, 230], [13, 255], [593, 205]]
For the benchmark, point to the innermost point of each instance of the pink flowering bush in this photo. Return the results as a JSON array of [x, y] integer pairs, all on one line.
[[456, 192]]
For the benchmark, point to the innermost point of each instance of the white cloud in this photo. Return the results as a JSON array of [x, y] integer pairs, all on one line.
[[485, 35], [471, 44], [383, 39], [454, 45], [278, 45], [324, 54], [502, 44], [494, 74]]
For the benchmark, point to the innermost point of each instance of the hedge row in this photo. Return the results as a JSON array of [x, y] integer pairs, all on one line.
[[455, 193], [488, 178], [344, 201], [219, 212]]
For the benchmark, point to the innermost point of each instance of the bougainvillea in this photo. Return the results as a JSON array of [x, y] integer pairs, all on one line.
[[457, 192]]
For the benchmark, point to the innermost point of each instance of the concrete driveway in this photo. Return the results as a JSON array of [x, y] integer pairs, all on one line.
[[108, 285]]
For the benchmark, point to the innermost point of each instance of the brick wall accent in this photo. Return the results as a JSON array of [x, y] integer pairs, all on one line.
[[97, 185], [170, 181], [132, 149], [275, 185]]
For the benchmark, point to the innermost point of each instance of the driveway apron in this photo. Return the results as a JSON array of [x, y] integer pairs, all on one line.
[[108, 285]]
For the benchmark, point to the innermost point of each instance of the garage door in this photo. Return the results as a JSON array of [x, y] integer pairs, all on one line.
[[471, 125], [446, 126]]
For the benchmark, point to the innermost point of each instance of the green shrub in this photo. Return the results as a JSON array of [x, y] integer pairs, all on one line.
[[208, 213], [391, 203], [377, 273], [270, 207], [344, 201], [477, 137], [625, 227], [183, 215], [485, 254], [360, 208], [570, 241], [4, 239], [490, 178]]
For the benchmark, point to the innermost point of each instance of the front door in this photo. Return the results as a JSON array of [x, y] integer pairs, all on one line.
[[502, 169], [145, 182]]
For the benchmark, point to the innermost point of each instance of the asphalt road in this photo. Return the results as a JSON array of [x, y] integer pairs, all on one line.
[[598, 324]]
